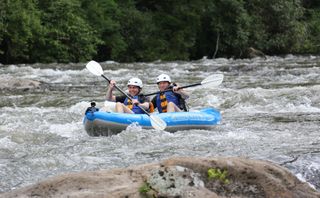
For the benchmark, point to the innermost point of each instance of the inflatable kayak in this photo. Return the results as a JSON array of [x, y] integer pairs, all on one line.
[[99, 123]]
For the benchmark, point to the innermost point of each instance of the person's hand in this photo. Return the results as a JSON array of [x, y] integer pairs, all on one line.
[[112, 84], [176, 89], [135, 101]]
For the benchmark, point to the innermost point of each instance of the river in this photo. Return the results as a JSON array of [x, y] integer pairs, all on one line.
[[270, 111]]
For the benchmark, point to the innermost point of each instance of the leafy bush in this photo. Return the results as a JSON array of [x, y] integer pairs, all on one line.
[[217, 174]]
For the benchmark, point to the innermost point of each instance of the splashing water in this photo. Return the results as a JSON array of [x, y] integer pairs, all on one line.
[[270, 110]]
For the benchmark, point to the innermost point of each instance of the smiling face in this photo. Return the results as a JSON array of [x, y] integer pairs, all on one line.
[[133, 90], [163, 85]]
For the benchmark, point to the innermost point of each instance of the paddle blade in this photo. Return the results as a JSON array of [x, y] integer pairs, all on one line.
[[94, 68], [157, 123], [212, 81]]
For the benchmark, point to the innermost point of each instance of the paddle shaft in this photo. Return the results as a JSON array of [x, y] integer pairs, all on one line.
[[192, 85], [124, 93]]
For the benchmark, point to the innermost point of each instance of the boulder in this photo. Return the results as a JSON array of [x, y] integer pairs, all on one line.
[[253, 53], [177, 177], [11, 83]]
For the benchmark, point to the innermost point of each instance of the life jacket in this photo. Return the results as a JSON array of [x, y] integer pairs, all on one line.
[[132, 107], [151, 107], [164, 98]]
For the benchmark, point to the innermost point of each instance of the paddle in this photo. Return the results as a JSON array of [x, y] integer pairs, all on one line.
[[210, 81], [96, 69]]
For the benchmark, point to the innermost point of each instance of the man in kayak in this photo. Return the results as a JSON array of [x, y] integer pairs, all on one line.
[[126, 105], [169, 101]]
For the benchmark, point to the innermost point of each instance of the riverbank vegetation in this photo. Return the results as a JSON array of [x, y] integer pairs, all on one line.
[[147, 30]]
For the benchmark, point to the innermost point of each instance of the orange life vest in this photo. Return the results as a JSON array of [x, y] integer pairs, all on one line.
[[151, 107], [129, 104], [164, 102]]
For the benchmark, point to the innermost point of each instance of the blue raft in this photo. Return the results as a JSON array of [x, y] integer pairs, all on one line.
[[108, 123]]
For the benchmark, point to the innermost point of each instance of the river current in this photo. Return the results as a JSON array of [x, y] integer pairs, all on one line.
[[270, 111]]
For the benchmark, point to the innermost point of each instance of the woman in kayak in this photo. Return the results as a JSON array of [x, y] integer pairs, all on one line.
[[129, 105], [169, 101]]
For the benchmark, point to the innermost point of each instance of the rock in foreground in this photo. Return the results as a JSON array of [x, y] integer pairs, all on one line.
[[177, 177]]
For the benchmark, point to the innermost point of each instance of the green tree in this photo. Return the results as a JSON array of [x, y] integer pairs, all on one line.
[[2, 25], [178, 22], [147, 30], [104, 16], [312, 18], [20, 23], [276, 25], [224, 29], [137, 30], [66, 36], [160, 29]]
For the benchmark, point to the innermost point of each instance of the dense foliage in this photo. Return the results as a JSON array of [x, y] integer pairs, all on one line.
[[147, 30]]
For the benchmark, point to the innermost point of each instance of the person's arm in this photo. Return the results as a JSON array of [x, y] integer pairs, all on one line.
[[110, 96], [142, 103], [183, 93]]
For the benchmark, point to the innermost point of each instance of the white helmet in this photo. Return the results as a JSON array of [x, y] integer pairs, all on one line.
[[163, 78], [136, 82]]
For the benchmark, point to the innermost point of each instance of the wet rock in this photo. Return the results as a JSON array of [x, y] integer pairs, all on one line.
[[174, 181], [253, 53], [11, 83], [177, 177]]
